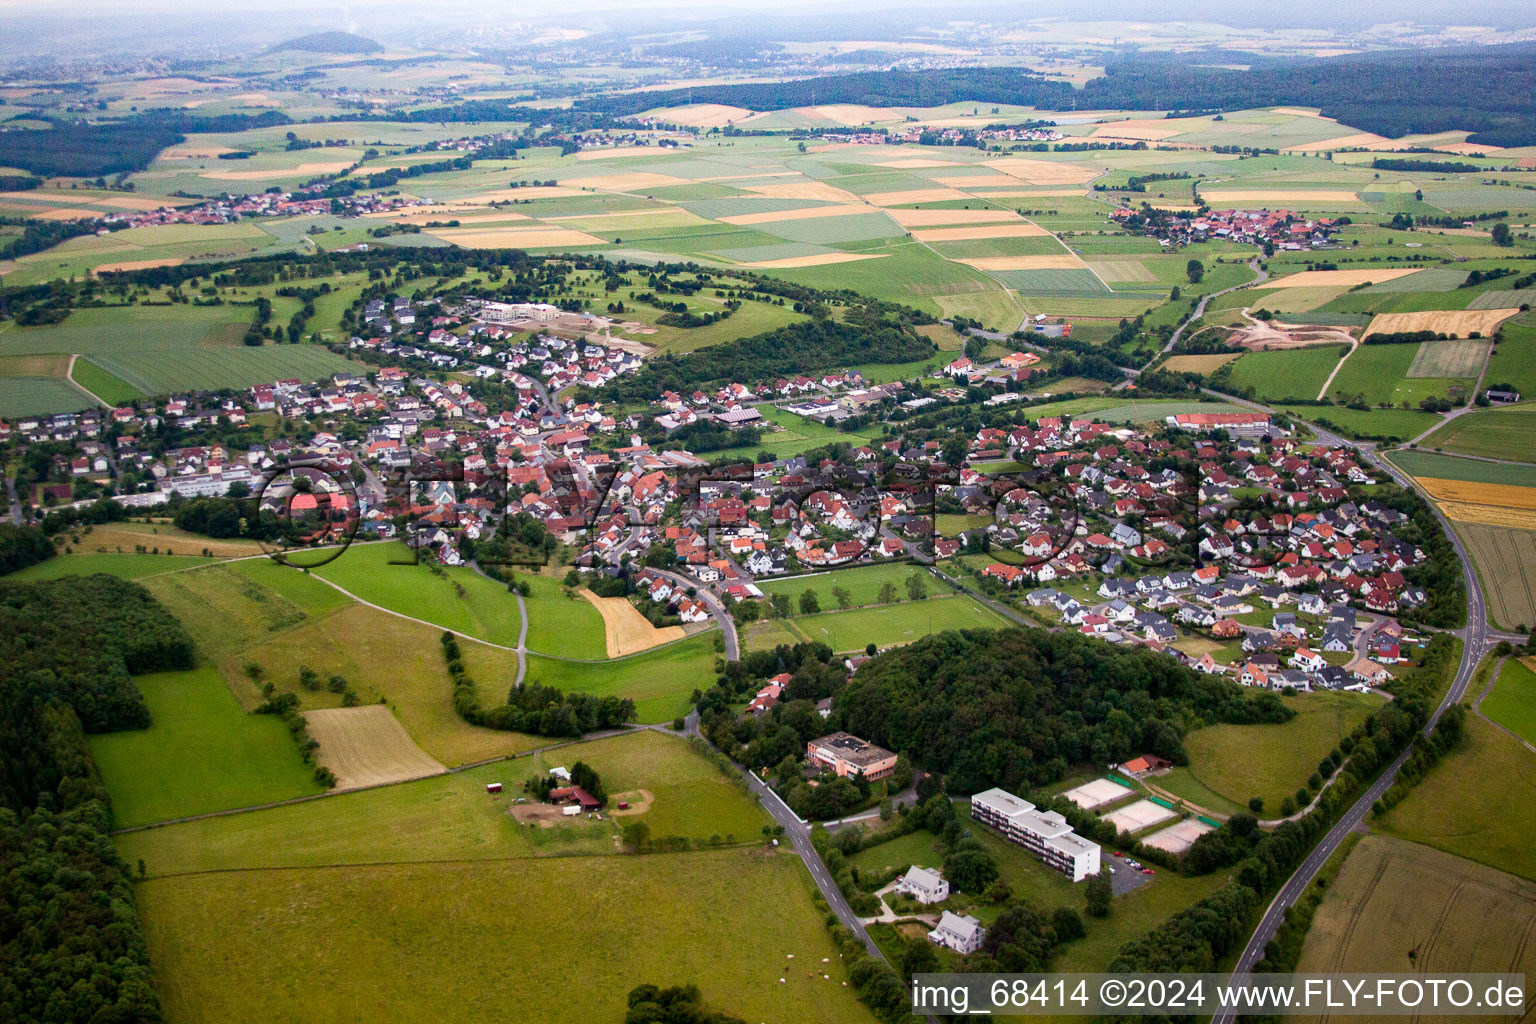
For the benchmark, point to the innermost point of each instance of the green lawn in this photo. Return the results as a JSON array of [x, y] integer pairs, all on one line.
[[1380, 373], [105, 386], [659, 681], [1478, 802], [459, 599], [1292, 373], [468, 941], [863, 584], [128, 566], [1397, 424], [203, 752], [452, 818], [1447, 467], [569, 627], [897, 624], [1512, 702], [1272, 761]]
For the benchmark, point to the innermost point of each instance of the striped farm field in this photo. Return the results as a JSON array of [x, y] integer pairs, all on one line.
[[1461, 322], [1199, 364], [367, 746], [1459, 358], [1500, 495], [1337, 278]]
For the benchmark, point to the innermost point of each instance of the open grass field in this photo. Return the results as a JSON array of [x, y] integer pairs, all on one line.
[[202, 752], [1381, 374], [105, 386], [1514, 358], [561, 625], [127, 566], [33, 396], [410, 941], [659, 681], [1401, 907], [629, 632], [367, 746], [128, 536], [1461, 358], [1392, 424], [863, 584], [1292, 373], [1492, 433], [1506, 562], [452, 818], [1419, 462], [1512, 701], [1477, 802], [895, 624], [1271, 761], [459, 599]]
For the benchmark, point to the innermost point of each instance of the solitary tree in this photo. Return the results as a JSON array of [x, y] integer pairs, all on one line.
[[887, 593], [1500, 234], [809, 605], [917, 588], [1196, 270], [1098, 894], [841, 595]]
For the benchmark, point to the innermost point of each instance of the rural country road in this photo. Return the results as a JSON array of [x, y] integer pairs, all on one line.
[[721, 614], [1476, 642], [1199, 311]]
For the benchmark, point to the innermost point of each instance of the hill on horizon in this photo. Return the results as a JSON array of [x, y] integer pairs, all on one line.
[[330, 42]]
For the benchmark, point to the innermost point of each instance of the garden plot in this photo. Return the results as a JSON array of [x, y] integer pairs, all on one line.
[[1175, 839], [1098, 793], [1139, 815]]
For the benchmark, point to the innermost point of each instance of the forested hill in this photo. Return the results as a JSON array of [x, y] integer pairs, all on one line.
[[1489, 90], [330, 42], [1016, 708]]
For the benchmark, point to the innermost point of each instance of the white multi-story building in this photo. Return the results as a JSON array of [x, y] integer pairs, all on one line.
[[1044, 833]]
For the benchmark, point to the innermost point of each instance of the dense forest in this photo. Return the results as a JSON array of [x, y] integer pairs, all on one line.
[[79, 149], [21, 546], [1489, 90], [1015, 708], [71, 948], [800, 348]]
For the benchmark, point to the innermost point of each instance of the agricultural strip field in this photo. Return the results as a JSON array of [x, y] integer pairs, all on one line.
[[1268, 761], [1478, 802], [1512, 701], [1398, 906], [628, 631], [1506, 562], [1380, 374], [105, 386], [1461, 358], [1491, 433], [1492, 504], [1442, 321], [202, 752], [1421, 463], [367, 746], [126, 566]]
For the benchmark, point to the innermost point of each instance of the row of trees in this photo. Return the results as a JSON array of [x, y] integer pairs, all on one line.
[[532, 707]]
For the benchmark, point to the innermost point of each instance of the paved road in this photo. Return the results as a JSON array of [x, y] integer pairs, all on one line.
[[721, 614], [15, 506], [1173, 339], [1476, 643]]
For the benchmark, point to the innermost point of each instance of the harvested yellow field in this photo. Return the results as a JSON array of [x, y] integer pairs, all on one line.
[[1025, 230], [852, 114], [813, 190], [969, 181], [1441, 321], [1282, 196], [1299, 112], [658, 212], [1150, 129], [917, 164], [367, 746], [194, 152], [627, 631], [137, 265], [501, 195], [442, 216], [1199, 364], [1066, 261], [610, 152], [618, 182], [256, 99], [822, 260], [915, 195], [55, 213], [1365, 140], [1044, 172], [701, 115], [65, 199], [1467, 149], [1500, 495], [934, 218], [1490, 515], [319, 167], [1036, 193], [812, 213], [515, 238], [1338, 278]]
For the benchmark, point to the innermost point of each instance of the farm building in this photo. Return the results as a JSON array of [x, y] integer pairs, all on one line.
[[574, 796]]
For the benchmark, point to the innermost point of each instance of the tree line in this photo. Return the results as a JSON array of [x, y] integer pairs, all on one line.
[[71, 948]]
